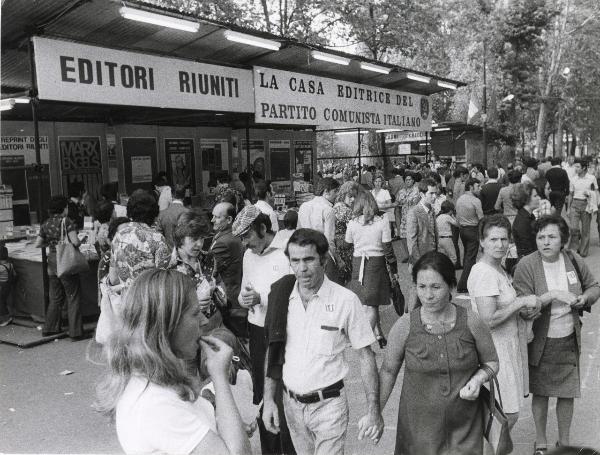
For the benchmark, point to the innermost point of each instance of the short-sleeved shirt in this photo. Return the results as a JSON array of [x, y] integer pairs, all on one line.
[[318, 214], [381, 197], [318, 335], [468, 210], [153, 419], [265, 208], [50, 230], [504, 202], [444, 222], [368, 239], [579, 186], [137, 247]]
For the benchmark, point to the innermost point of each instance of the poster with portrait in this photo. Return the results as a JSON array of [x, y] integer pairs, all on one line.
[[180, 164], [257, 155]]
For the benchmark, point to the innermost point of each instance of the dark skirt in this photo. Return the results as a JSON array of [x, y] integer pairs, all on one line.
[[557, 374], [375, 289]]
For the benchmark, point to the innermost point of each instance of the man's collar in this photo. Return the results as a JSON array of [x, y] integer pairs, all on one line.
[[177, 201], [323, 293]]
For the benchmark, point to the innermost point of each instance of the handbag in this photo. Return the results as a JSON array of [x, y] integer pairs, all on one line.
[[397, 296], [110, 311], [495, 422], [569, 254], [69, 260]]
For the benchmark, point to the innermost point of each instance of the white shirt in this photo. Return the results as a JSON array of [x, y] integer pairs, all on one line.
[[381, 197], [153, 419], [561, 320], [579, 186], [318, 335], [368, 239], [165, 197], [262, 270], [318, 214], [265, 208]]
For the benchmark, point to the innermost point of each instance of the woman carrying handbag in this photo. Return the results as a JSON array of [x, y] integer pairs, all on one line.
[[66, 288]]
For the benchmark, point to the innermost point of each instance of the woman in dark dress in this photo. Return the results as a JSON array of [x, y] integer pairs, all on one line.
[[445, 347], [525, 199]]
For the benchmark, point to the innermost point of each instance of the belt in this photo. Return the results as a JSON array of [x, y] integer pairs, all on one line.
[[445, 236], [577, 199], [331, 391]]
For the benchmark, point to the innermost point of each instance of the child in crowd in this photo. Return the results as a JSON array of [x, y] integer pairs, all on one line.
[[445, 220], [7, 277]]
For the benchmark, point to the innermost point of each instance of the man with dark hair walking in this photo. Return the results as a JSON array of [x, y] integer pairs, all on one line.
[[468, 214], [558, 180]]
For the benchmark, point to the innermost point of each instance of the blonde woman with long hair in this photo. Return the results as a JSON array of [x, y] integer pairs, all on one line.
[[372, 239], [156, 403]]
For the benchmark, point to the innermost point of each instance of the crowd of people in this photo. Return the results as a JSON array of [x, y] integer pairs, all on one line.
[[204, 295]]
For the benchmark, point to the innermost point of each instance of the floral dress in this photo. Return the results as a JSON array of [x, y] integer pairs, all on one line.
[[407, 198], [343, 214], [137, 247]]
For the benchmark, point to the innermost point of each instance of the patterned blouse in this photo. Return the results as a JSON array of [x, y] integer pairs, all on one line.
[[135, 248], [343, 214], [50, 230], [408, 198]]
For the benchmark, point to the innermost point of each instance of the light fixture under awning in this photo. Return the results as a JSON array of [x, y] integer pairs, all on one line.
[[158, 19], [330, 58], [252, 40]]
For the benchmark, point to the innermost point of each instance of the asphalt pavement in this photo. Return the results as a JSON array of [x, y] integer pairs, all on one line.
[[44, 411]]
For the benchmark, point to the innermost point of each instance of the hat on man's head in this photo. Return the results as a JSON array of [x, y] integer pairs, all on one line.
[[244, 219]]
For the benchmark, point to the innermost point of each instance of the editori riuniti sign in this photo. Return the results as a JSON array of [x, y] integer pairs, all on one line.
[[68, 71], [284, 97]]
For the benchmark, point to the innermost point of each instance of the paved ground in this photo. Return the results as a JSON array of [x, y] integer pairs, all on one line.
[[42, 411]]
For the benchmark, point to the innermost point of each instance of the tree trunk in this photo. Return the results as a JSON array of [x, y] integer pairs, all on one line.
[[559, 134], [266, 13]]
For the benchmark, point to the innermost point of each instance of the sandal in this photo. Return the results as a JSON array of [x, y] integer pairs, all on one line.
[[539, 450], [382, 341]]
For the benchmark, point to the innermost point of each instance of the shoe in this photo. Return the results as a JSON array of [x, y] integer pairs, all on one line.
[[539, 450], [382, 341], [5, 321], [49, 334]]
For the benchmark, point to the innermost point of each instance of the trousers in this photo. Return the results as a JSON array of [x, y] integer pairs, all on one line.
[[66, 289], [470, 239], [580, 222]]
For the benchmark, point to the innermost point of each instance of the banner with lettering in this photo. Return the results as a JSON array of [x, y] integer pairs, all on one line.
[[283, 97], [75, 72]]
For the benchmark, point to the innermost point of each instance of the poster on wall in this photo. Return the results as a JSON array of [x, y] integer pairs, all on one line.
[[24, 146], [257, 155], [180, 165], [141, 169], [279, 157], [303, 158], [215, 161], [81, 162], [111, 153]]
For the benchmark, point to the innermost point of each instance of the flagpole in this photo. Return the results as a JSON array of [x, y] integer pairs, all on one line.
[[484, 106]]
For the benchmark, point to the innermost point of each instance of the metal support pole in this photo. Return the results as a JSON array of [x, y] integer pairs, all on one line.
[[484, 106], [426, 146], [359, 159], [38, 169], [251, 179]]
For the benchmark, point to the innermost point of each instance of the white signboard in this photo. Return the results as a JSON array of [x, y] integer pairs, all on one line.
[[89, 74], [403, 149], [24, 146], [141, 169], [283, 97], [405, 136]]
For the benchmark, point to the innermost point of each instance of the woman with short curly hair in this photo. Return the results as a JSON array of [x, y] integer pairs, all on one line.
[[137, 246]]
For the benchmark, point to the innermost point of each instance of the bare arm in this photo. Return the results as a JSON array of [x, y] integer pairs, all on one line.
[[270, 414], [392, 362], [74, 239], [371, 425], [494, 316]]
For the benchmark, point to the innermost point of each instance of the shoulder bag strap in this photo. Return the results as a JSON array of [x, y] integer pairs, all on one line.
[[575, 266]]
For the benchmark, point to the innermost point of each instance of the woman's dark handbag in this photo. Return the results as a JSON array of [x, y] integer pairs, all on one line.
[[397, 296], [495, 422]]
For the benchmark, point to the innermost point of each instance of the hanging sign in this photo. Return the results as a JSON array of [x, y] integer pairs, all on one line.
[[75, 72], [283, 97]]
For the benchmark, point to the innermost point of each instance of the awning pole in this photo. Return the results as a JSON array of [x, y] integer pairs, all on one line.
[[251, 179], [359, 159], [38, 168]]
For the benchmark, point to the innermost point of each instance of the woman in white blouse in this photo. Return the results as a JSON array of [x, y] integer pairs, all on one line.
[[370, 234], [383, 198], [155, 402]]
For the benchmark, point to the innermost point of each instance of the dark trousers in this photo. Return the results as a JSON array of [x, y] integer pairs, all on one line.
[[270, 443], [64, 290], [4, 293], [455, 237], [470, 241]]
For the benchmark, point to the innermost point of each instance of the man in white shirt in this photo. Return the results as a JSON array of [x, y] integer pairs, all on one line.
[[569, 166], [310, 322], [264, 263], [263, 193], [318, 214], [583, 187]]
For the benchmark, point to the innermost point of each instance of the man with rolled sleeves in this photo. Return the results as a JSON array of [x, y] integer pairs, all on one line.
[[310, 321], [468, 214]]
